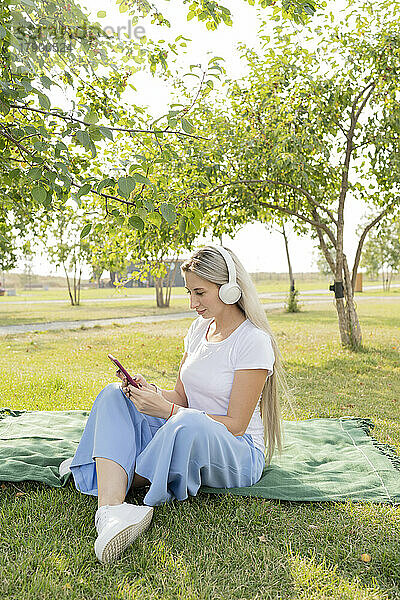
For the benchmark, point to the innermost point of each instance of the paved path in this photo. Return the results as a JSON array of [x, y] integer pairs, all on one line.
[[57, 325]]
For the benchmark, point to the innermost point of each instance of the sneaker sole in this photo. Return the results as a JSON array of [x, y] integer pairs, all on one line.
[[119, 542], [63, 469]]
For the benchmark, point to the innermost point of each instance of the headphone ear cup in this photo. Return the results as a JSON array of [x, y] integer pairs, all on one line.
[[229, 293]]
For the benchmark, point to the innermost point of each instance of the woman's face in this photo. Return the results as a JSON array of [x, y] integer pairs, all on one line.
[[203, 296]]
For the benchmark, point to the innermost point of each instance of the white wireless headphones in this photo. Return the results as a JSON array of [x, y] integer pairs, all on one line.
[[229, 292]]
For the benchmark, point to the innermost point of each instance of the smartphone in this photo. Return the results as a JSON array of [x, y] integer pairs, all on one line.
[[124, 371]]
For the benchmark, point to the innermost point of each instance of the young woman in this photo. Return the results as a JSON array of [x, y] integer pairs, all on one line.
[[211, 429]]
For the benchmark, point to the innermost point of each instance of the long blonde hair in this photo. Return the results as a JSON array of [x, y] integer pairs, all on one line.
[[209, 264]]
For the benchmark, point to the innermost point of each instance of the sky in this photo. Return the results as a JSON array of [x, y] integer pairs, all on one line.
[[259, 250]]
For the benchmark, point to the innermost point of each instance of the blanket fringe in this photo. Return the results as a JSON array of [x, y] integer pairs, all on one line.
[[390, 451]]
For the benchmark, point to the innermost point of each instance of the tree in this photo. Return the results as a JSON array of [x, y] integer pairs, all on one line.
[[46, 45], [66, 248], [47, 152], [157, 247], [306, 128], [292, 302], [381, 252]]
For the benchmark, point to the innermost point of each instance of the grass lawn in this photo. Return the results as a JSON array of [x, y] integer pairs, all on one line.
[[207, 547]]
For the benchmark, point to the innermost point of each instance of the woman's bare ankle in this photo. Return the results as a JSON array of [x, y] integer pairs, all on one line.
[[109, 502]]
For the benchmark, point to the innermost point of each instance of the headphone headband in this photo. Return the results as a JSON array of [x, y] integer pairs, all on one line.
[[229, 263]]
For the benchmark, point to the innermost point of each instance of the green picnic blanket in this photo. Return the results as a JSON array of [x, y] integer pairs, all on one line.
[[322, 459]]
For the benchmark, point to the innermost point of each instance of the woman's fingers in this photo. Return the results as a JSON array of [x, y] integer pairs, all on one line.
[[122, 377], [141, 380]]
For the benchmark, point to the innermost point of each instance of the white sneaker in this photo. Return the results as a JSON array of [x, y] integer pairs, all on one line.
[[118, 526], [64, 468]]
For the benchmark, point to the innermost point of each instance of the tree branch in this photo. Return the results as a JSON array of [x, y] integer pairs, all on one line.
[[364, 102], [76, 120], [326, 252], [282, 183], [287, 211]]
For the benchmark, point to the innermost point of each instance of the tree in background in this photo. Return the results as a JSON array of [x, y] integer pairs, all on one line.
[[66, 247], [307, 127], [291, 304], [381, 254]]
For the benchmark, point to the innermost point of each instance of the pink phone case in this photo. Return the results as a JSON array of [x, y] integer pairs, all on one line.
[[124, 371]]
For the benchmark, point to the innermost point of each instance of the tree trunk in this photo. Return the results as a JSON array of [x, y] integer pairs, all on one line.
[[158, 281], [69, 285], [79, 286], [349, 325], [291, 279], [170, 281]]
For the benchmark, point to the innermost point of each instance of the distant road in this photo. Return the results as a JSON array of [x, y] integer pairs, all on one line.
[[88, 323], [152, 296]]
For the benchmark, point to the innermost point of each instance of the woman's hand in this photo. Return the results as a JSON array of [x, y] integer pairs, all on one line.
[[147, 401], [138, 378]]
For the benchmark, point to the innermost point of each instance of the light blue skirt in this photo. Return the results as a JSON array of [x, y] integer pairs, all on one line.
[[177, 455]]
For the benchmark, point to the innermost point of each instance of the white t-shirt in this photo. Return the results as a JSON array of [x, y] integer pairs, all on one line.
[[208, 371]]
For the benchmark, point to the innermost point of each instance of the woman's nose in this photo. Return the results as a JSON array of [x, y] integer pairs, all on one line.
[[194, 302]]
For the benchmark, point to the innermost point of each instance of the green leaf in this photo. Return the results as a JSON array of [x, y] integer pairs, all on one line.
[[105, 183], [168, 212], [85, 189], [95, 133], [46, 82], [187, 126], [126, 185], [101, 14], [83, 138], [182, 224], [107, 133], [92, 149], [35, 173], [139, 178], [91, 117], [39, 194], [86, 230], [155, 218], [44, 101], [136, 222], [60, 146], [308, 9]]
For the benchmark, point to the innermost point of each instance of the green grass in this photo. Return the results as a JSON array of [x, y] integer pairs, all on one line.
[[207, 547]]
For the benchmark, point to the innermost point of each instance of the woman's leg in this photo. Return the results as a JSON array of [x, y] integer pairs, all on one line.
[[116, 432], [193, 450], [112, 481]]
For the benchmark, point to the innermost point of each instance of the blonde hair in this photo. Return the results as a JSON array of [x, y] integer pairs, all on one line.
[[209, 264]]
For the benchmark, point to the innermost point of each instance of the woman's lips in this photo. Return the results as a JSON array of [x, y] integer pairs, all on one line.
[[200, 312]]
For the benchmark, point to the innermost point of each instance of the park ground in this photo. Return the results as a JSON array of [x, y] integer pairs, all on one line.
[[207, 547], [41, 306]]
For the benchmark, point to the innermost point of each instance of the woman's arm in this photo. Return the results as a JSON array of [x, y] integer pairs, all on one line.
[[177, 395], [246, 390]]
